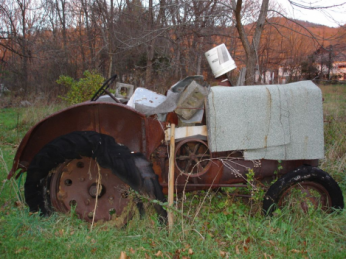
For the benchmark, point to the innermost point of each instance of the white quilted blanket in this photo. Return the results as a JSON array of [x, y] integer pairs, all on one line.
[[281, 122]]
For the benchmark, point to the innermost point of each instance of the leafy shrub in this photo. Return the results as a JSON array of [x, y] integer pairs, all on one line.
[[82, 90]]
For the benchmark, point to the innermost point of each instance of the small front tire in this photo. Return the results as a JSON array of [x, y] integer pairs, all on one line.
[[315, 187]]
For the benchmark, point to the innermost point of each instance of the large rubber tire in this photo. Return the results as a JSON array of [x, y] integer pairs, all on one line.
[[132, 168], [303, 175]]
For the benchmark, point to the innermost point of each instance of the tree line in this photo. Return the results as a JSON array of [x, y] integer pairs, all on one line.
[[150, 43]]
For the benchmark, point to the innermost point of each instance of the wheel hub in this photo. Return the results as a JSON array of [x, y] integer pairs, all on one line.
[[307, 195], [81, 184], [96, 189]]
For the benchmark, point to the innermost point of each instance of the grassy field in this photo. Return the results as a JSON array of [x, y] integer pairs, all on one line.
[[210, 225]]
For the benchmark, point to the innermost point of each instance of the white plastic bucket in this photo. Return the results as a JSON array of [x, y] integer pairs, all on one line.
[[220, 60]]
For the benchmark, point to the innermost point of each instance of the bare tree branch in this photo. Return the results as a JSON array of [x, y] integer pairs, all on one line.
[[314, 7]]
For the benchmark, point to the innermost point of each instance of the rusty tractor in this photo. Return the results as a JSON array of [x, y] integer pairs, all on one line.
[[90, 156]]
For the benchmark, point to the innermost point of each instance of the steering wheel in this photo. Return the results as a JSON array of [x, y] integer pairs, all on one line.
[[103, 89]]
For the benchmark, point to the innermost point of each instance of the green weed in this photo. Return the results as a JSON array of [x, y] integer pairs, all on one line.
[[81, 90]]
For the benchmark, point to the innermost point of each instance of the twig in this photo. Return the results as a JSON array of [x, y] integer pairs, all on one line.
[[98, 185]]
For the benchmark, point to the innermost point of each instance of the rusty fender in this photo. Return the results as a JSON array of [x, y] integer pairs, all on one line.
[[124, 124]]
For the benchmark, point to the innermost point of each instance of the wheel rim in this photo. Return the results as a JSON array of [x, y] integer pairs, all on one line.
[[306, 195], [192, 157], [74, 185]]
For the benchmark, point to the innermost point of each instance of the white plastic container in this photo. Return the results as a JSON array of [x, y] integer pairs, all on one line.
[[145, 97], [220, 60]]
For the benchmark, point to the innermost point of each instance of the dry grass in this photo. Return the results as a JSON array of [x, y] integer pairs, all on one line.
[[38, 111]]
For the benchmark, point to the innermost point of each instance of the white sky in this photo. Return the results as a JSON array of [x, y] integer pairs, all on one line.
[[332, 17]]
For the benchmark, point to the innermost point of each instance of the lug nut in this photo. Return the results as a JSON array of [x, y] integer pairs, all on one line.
[[66, 171], [62, 195]]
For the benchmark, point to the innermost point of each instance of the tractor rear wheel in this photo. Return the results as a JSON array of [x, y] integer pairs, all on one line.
[[91, 174]]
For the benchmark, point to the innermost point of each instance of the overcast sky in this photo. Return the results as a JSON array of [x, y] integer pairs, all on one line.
[[331, 17]]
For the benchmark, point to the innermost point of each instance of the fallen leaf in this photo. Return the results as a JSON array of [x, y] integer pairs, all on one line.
[[93, 241], [271, 242], [190, 252], [297, 251], [159, 253], [21, 250], [153, 243], [93, 250], [245, 249], [186, 257], [237, 250], [59, 233], [222, 253], [18, 204], [267, 256], [176, 254], [248, 240], [147, 256], [132, 251], [122, 255]]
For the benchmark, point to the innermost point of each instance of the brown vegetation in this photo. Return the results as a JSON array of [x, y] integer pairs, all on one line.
[[150, 44]]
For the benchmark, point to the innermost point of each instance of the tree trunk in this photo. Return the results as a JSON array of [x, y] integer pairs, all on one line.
[[23, 7], [250, 49], [149, 68], [150, 48], [177, 63]]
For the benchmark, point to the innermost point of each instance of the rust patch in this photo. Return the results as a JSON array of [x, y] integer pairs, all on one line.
[[67, 190]]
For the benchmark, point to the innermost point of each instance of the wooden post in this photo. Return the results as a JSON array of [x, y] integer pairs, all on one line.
[[171, 176]]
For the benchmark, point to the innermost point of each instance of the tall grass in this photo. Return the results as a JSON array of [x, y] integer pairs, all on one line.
[[15, 122], [208, 224], [335, 132]]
